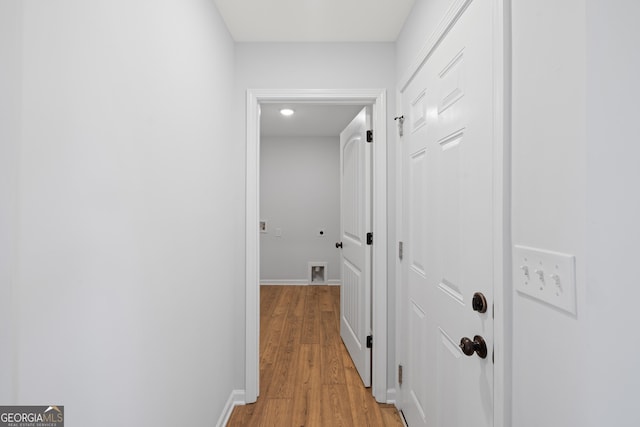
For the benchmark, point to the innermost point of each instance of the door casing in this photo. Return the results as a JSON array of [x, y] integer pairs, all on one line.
[[502, 266], [378, 99]]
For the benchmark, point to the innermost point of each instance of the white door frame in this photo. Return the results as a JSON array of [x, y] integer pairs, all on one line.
[[377, 98], [501, 15]]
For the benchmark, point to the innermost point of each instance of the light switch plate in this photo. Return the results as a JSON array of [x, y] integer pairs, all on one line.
[[545, 275]]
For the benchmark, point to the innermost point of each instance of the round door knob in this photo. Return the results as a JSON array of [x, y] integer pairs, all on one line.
[[339, 245], [478, 346], [479, 303]]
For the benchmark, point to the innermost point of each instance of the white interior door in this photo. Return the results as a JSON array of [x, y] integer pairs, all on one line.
[[448, 229], [355, 223]]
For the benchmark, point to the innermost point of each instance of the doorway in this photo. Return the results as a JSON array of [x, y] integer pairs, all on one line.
[[377, 99]]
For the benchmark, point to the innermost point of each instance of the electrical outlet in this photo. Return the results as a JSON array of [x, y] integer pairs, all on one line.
[[545, 275]]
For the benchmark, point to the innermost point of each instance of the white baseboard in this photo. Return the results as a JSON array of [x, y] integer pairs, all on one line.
[[236, 398], [391, 396], [301, 282]]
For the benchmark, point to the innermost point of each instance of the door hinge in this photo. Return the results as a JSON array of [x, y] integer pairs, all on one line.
[[369, 238], [400, 250], [369, 341], [369, 136], [400, 375]]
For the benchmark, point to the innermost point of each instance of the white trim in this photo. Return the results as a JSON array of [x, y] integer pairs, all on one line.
[[391, 396], [379, 277], [297, 282], [377, 98], [502, 289], [501, 189], [399, 273], [252, 251], [236, 398]]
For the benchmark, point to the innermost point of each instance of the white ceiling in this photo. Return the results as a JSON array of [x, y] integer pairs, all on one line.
[[308, 120], [314, 20]]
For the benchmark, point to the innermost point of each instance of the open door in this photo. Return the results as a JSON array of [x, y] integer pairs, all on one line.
[[449, 231], [355, 224]]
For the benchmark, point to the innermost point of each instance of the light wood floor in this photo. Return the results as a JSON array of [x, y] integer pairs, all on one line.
[[306, 375]]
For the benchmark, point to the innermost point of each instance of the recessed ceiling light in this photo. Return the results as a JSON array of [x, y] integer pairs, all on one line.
[[287, 112]]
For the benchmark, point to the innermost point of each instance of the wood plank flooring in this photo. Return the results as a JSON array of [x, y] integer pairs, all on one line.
[[307, 378]]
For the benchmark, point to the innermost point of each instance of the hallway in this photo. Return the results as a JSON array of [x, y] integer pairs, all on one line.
[[306, 375]]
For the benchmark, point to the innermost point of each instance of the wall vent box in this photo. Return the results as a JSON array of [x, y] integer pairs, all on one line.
[[317, 273], [546, 276]]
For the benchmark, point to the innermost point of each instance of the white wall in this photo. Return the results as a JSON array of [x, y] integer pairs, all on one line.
[[575, 115], [10, 84], [125, 285], [299, 194], [320, 66], [613, 209], [549, 201]]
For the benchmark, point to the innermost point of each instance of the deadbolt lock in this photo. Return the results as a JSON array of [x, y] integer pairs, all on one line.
[[479, 303]]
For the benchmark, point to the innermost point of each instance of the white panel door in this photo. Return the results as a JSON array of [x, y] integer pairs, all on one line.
[[448, 229], [355, 222]]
